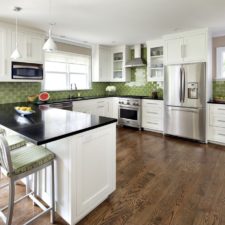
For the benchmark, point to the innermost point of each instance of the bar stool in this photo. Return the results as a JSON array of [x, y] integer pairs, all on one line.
[[21, 163], [14, 142]]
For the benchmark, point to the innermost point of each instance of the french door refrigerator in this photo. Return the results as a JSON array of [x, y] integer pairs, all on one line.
[[185, 101]]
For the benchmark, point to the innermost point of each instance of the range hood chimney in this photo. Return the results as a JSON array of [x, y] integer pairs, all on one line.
[[137, 61]]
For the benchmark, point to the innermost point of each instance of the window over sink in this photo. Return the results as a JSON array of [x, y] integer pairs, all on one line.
[[220, 61], [63, 70]]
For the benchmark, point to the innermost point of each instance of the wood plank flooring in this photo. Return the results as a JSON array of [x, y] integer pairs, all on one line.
[[160, 181]]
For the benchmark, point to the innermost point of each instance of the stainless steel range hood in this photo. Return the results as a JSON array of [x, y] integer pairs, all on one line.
[[137, 61]]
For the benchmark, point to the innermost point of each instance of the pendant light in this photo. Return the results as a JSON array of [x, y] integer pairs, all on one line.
[[16, 53], [50, 45]]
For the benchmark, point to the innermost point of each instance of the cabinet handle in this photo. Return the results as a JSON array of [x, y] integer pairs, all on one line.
[[221, 121], [149, 103], [152, 123], [221, 109], [153, 113], [100, 102], [222, 135], [5, 67], [100, 106]]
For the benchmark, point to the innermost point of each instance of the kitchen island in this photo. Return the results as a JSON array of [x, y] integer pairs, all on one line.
[[85, 149]]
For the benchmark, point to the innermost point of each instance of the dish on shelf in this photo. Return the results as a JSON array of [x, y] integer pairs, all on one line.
[[24, 110]]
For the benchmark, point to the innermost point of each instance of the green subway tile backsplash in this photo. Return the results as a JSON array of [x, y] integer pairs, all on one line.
[[98, 89], [17, 92], [218, 89]]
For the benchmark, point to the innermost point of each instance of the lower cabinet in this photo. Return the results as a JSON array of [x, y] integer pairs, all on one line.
[[107, 107], [216, 123], [152, 115], [85, 169]]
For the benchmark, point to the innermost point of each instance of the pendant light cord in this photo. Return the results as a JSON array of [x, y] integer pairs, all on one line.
[[16, 29]]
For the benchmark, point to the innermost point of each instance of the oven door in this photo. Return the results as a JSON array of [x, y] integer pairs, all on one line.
[[129, 116]]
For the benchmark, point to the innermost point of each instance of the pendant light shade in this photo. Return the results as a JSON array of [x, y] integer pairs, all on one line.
[[16, 53], [50, 44]]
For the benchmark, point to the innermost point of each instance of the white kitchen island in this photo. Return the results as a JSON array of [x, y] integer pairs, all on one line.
[[85, 149]]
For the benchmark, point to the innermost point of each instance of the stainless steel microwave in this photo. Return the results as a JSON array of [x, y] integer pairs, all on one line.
[[27, 71]]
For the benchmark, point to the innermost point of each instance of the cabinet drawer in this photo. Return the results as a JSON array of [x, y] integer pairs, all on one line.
[[152, 103], [218, 109], [152, 111], [217, 134], [217, 120], [152, 122]]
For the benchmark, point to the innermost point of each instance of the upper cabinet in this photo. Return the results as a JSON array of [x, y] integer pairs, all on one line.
[[155, 61], [30, 44], [119, 56], [108, 64], [101, 63], [187, 47], [3, 53]]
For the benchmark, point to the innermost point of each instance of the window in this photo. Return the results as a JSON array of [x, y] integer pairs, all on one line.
[[64, 70], [220, 63]]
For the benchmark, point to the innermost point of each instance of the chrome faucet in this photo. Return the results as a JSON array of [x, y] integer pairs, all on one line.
[[71, 89]]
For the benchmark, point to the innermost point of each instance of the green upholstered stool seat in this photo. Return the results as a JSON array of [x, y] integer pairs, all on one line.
[[2, 131], [28, 158], [15, 141]]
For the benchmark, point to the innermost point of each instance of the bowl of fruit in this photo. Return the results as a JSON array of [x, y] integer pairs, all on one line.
[[24, 110]]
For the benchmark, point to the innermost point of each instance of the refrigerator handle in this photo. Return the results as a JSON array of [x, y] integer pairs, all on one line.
[[183, 88], [181, 84]]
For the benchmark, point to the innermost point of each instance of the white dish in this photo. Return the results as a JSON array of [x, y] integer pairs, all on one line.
[[23, 113]]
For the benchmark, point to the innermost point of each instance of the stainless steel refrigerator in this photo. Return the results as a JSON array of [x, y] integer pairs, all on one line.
[[185, 101]]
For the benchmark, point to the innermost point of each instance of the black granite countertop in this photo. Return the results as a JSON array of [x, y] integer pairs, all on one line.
[[216, 102], [46, 125], [94, 97]]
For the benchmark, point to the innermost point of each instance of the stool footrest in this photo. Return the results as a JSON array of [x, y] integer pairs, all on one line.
[[35, 200]]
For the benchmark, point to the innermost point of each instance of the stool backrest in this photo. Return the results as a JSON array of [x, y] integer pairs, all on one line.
[[5, 157], [2, 131]]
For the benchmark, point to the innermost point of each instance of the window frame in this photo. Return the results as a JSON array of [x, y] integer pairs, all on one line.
[[67, 54], [219, 63]]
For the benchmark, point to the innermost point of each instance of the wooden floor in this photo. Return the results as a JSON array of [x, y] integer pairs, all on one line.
[[160, 181]]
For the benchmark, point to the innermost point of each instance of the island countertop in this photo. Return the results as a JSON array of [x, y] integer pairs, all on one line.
[[49, 124]]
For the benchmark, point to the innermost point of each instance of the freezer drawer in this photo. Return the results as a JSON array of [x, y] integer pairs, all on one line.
[[185, 122]]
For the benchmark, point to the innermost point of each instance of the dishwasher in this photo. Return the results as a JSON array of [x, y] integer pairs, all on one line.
[[59, 105]]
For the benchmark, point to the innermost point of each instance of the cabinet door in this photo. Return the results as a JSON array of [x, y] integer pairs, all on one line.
[[95, 166], [3, 58], [173, 51], [104, 64], [34, 49], [195, 48], [22, 45]]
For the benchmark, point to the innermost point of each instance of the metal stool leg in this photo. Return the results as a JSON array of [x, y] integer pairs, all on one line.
[[11, 201], [35, 186], [53, 194]]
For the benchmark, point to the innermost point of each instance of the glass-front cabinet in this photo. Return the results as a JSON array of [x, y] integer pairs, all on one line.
[[155, 58], [119, 57]]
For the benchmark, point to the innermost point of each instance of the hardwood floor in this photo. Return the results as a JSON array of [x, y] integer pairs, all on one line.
[[160, 181]]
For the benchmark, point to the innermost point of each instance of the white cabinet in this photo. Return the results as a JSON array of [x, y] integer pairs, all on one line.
[[155, 61], [173, 50], [119, 56], [29, 44], [85, 170], [216, 123], [101, 63], [107, 107], [96, 159], [187, 47], [3, 54], [152, 115]]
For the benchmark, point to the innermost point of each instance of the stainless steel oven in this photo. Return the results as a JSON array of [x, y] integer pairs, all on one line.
[[130, 112]]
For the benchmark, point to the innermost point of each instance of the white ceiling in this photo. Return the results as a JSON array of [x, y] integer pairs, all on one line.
[[118, 21]]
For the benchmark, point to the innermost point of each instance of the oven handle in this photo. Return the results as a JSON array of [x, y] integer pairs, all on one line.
[[129, 107]]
